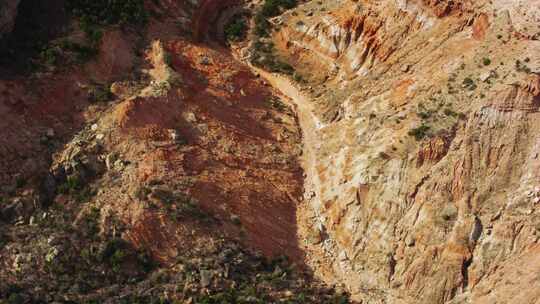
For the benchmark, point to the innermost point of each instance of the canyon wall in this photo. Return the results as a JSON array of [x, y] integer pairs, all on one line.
[[428, 157], [206, 16], [415, 123]]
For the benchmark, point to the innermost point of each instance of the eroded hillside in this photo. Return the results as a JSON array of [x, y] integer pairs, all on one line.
[[141, 165], [270, 151], [425, 186]]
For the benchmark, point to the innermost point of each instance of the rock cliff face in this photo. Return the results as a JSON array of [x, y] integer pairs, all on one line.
[[400, 163], [161, 146], [207, 14], [428, 154]]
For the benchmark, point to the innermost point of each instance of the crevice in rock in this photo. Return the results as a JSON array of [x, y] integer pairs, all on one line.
[[392, 267], [465, 273]]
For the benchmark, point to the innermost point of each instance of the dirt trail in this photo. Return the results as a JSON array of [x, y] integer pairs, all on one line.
[[309, 125], [308, 217]]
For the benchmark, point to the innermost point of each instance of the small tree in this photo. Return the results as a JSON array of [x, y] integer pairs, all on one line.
[[236, 30]]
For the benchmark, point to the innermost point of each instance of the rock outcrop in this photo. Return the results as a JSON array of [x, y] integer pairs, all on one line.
[[399, 160], [426, 167], [206, 15]]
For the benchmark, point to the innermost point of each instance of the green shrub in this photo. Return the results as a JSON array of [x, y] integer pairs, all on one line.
[[49, 55], [297, 77], [424, 114], [469, 83], [263, 53], [20, 182], [111, 248], [116, 252], [264, 56], [272, 8], [91, 222], [82, 52], [100, 93], [142, 193], [84, 195], [165, 196], [262, 26], [117, 260], [277, 104], [187, 207], [145, 261], [95, 13], [486, 61], [15, 298], [168, 59], [450, 112], [520, 67], [340, 299], [277, 66], [72, 183], [105, 12], [236, 30], [420, 132]]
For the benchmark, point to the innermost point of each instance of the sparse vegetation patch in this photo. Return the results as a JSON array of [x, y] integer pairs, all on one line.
[[236, 30], [103, 12], [263, 51]]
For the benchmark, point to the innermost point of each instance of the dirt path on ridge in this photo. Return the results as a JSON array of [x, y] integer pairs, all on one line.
[[307, 217]]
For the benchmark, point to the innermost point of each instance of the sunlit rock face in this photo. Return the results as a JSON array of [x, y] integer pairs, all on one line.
[[428, 156]]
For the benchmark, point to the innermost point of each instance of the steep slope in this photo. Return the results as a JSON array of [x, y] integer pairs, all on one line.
[[427, 146], [154, 169], [389, 147]]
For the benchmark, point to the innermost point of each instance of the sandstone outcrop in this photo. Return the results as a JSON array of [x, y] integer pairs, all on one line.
[[425, 219], [399, 160]]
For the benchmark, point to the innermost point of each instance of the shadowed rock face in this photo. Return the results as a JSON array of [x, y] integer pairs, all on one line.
[[8, 13], [207, 14], [28, 27]]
